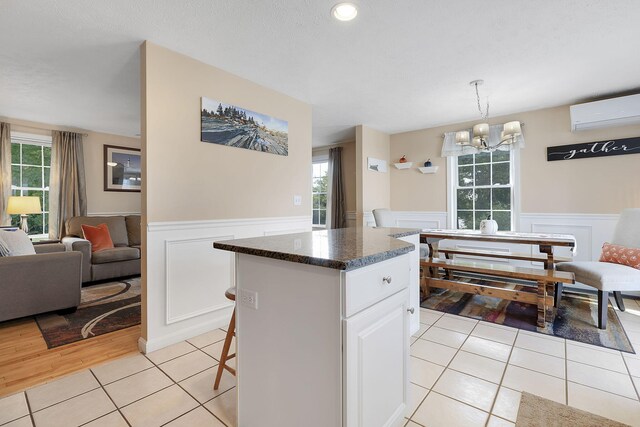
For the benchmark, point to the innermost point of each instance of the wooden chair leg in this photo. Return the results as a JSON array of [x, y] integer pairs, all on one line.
[[225, 349], [603, 304], [558, 294], [617, 295], [550, 291], [542, 293]]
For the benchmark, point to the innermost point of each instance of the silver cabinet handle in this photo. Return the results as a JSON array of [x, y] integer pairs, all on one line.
[[387, 279], [411, 310]]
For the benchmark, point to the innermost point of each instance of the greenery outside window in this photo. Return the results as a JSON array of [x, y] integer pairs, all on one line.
[[483, 186], [320, 180], [30, 171]]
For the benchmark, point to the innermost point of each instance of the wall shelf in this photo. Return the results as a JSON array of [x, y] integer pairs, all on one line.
[[406, 165], [430, 169]]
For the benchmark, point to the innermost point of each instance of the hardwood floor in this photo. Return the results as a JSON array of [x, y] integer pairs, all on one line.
[[25, 360]]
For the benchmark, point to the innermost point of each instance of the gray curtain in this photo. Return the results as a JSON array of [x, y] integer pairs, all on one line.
[[67, 188], [5, 172], [338, 217]]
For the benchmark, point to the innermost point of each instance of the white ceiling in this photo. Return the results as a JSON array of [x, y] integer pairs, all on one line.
[[401, 65]]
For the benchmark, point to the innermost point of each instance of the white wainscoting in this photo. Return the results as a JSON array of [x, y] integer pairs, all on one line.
[[186, 278]]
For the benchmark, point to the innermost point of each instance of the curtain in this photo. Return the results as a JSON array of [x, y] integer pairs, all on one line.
[[338, 216], [450, 148], [67, 189], [5, 172]]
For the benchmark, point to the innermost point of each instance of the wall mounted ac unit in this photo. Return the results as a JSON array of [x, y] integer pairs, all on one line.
[[622, 111]]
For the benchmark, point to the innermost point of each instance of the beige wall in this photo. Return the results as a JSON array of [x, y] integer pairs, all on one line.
[[372, 188], [348, 170], [192, 180], [596, 185], [98, 200]]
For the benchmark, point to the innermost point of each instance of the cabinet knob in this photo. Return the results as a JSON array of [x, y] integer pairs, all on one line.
[[411, 310], [386, 279]]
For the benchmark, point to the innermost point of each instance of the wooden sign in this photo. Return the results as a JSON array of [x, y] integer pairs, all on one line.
[[613, 147]]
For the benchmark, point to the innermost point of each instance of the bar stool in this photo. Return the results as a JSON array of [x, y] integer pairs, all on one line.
[[231, 332]]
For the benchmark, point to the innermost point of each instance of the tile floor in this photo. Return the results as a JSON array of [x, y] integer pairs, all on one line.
[[463, 373]]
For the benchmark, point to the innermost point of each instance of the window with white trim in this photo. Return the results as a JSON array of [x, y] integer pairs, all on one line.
[[320, 180], [483, 185], [30, 171]]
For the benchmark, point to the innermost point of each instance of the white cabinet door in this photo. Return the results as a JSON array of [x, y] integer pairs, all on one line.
[[376, 354]]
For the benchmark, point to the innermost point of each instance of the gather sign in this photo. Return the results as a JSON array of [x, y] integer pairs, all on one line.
[[612, 147]]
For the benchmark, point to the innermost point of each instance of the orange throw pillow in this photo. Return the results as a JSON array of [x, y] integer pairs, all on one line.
[[621, 255], [98, 236]]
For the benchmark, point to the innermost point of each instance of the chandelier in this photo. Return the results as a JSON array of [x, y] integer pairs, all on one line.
[[480, 138]]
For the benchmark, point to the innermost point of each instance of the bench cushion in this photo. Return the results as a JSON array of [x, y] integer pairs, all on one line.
[[604, 276], [114, 255]]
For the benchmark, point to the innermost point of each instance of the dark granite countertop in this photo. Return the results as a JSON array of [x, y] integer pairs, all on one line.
[[341, 249]]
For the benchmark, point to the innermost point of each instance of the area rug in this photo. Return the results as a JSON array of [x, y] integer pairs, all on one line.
[[103, 308], [576, 318], [535, 411]]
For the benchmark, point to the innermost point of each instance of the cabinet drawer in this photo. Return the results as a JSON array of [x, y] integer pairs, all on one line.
[[366, 286]]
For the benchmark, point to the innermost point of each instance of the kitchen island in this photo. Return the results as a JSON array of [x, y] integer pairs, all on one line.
[[322, 322]]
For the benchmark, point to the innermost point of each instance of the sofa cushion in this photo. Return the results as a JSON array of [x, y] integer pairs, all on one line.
[[17, 242], [98, 236], [133, 229], [604, 275], [116, 224], [619, 254], [115, 255]]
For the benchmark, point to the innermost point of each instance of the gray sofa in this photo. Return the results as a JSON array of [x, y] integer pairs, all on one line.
[[121, 261], [32, 284]]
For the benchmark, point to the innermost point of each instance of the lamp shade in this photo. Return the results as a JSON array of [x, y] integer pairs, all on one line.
[[24, 205]]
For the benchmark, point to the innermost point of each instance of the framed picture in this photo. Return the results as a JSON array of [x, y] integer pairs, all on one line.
[[233, 126], [122, 170], [376, 165]]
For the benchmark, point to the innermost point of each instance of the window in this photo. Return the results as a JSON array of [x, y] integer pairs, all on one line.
[[483, 185], [319, 193], [30, 169]]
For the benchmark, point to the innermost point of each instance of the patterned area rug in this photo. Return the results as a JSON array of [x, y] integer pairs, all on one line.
[[576, 318], [103, 308]]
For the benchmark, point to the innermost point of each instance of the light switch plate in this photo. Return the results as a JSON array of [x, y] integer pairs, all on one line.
[[249, 298], [297, 200]]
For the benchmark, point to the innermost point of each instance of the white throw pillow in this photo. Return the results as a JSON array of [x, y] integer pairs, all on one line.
[[17, 242]]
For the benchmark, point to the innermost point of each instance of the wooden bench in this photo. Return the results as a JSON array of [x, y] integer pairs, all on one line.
[[503, 255], [542, 286]]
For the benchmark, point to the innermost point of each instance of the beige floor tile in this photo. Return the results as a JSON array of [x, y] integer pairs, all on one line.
[[76, 411], [440, 411], [487, 348], [546, 386], [200, 386], [225, 407], [137, 386], [429, 317], [433, 352], [121, 368], [499, 422], [540, 335], [413, 339], [605, 404], [170, 352], [593, 347], [541, 344], [596, 357], [507, 404], [444, 336], [465, 388], [424, 373], [478, 366], [189, 364], [634, 366], [20, 422], [215, 350], [456, 323], [199, 417], [412, 424], [62, 389], [539, 362], [422, 330], [208, 338], [416, 396], [13, 407], [602, 379], [490, 332], [159, 408], [113, 419]]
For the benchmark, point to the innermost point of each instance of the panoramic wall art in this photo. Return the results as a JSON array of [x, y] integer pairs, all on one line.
[[122, 171], [233, 126]]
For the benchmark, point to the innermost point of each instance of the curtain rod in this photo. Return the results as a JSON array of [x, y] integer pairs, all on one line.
[[521, 124], [43, 128]]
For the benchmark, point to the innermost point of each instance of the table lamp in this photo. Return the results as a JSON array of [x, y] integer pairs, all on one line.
[[24, 205]]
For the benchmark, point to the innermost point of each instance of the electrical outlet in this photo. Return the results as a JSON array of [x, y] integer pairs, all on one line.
[[297, 200], [249, 298]]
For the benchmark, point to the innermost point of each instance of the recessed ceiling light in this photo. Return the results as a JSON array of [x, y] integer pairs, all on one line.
[[344, 11]]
